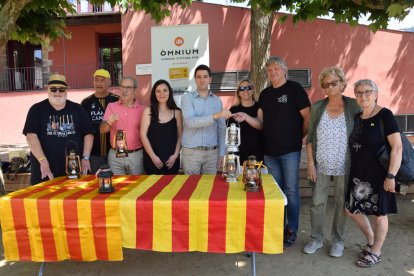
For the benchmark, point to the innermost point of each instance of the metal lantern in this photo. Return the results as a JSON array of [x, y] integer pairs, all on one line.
[[73, 165], [120, 143], [232, 138], [104, 175], [231, 167], [252, 177]]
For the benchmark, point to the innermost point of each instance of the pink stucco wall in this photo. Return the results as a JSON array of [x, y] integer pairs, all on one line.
[[386, 56]]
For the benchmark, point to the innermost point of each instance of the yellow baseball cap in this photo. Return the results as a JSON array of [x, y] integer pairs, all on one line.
[[102, 73]]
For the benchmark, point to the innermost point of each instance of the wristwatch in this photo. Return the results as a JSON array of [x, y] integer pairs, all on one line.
[[86, 157], [390, 176]]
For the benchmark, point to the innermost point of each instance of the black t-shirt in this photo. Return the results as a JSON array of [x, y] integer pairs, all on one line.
[[95, 107], [251, 139], [56, 130], [282, 121]]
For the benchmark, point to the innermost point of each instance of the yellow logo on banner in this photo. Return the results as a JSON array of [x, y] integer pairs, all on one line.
[[178, 73]]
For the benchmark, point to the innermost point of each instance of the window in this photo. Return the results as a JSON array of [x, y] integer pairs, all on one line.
[[228, 81]]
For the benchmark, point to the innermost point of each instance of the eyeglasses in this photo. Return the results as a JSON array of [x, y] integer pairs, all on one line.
[[365, 93], [128, 88], [56, 89], [244, 88], [329, 84]]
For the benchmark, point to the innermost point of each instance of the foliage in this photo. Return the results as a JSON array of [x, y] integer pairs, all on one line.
[[380, 11], [39, 19], [45, 18]]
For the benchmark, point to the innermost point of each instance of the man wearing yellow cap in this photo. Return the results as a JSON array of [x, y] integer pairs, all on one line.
[[95, 106], [54, 127]]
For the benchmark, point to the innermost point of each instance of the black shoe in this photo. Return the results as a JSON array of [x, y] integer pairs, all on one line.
[[289, 238]]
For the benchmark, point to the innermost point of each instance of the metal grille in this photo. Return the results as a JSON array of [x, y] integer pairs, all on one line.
[[406, 123], [228, 81]]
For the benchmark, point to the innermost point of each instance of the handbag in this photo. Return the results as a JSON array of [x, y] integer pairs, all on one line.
[[406, 171]]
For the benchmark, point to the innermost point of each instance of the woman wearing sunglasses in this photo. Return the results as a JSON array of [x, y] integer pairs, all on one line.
[[251, 138], [331, 123], [371, 188]]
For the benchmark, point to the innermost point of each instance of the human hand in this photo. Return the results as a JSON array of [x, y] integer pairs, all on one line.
[[222, 114], [45, 170], [389, 185], [239, 116], [86, 166], [171, 160], [113, 118], [157, 162], [311, 173]]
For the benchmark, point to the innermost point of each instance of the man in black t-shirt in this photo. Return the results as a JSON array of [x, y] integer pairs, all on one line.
[[284, 112], [54, 127], [284, 117], [95, 106]]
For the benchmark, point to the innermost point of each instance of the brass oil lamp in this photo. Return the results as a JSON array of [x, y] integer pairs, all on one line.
[[120, 143], [252, 177], [73, 165], [231, 167]]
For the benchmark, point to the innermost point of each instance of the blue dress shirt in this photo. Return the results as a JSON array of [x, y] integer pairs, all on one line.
[[199, 127]]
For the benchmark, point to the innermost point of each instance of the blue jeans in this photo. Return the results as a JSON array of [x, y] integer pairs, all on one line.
[[285, 170]]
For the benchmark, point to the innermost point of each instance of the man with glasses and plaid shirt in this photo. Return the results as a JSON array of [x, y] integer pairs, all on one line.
[[54, 127]]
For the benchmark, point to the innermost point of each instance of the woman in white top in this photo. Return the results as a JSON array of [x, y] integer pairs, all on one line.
[[330, 125]]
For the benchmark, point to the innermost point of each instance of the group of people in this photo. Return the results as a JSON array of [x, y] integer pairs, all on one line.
[[342, 136]]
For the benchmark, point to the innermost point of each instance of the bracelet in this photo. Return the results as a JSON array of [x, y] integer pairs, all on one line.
[[41, 158], [106, 122], [310, 164], [86, 157]]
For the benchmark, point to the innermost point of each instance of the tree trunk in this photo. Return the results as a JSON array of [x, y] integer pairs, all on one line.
[[9, 14], [260, 35]]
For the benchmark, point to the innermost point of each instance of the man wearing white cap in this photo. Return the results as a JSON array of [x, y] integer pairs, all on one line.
[[95, 106], [53, 127]]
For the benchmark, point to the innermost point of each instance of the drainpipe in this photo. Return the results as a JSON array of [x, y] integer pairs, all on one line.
[[64, 57]]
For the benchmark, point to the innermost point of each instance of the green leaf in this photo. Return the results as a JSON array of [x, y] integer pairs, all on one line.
[[395, 10]]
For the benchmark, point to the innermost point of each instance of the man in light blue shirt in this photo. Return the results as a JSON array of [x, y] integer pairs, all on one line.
[[204, 127]]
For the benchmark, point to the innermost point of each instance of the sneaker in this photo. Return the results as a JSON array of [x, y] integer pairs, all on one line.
[[289, 238], [312, 246], [336, 249]]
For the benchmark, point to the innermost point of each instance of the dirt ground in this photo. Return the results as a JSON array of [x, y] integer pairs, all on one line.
[[397, 256]]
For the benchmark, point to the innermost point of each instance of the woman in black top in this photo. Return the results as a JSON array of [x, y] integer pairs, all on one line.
[[371, 188], [251, 138], [161, 130]]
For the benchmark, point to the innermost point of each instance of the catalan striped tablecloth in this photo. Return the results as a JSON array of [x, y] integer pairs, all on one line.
[[68, 219]]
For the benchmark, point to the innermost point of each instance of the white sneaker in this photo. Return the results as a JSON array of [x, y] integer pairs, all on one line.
[[336, 249], [312, 246]]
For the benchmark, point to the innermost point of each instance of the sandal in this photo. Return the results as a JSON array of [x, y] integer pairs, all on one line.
[[365, 250], [370, 260]]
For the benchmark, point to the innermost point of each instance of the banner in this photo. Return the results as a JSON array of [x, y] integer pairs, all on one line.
[[176, 52]]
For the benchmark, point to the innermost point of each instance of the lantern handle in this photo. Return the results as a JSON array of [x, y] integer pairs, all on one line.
[[71, 142], [228, 122]]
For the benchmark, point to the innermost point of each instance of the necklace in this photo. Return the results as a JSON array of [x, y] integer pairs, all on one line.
[[370, 115], [372, 112]]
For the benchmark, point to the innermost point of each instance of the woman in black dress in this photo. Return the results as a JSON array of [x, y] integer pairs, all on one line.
[[251, 137], [161, 131], [371, 188]]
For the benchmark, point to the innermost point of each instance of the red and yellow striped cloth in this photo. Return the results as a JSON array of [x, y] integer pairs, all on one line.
[[68, 219]]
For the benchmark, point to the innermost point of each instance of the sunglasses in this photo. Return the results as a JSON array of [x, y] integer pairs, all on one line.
[[366, 93], [244, 88], [329, 84], [56, 89]]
